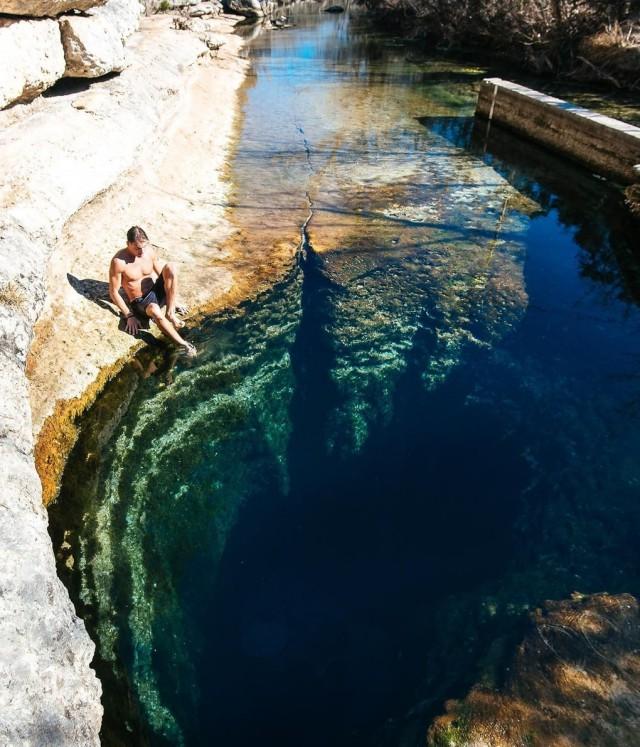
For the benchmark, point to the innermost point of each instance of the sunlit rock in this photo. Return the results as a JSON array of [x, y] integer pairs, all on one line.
[[249, 8], [205, 9], [31, 58], [49, 8], [49, 693], [94, 44]]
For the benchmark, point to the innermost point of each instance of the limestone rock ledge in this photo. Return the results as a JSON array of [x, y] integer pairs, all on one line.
[[58, 154], [94, 43], [574, 681], [250, 8], [31, 58], [37, 52], [48, 693], [46, 8]]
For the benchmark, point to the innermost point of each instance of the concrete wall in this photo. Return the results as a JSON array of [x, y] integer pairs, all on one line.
[[605, 145]]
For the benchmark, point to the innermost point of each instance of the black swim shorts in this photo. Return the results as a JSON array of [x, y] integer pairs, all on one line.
[[155, 295]]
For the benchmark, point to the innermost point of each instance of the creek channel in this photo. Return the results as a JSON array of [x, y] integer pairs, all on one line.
[[342, 512]]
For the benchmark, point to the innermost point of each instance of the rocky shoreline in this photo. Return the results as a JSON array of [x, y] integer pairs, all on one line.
[[147, 146]]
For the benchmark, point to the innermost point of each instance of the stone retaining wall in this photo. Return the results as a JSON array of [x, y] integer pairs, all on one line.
[[603, 144]]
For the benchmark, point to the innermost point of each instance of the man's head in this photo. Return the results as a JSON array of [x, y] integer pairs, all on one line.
[[136, 239]]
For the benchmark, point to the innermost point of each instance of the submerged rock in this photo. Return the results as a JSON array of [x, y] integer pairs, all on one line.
[[574, 680], [334, 9]]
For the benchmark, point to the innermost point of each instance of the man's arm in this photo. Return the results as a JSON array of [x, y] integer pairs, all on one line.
[[158, 264], [115, 283]]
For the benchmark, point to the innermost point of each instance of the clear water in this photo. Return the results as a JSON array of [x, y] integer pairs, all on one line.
[[339, 515]]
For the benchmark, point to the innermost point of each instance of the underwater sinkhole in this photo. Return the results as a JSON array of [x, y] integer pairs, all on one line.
[[341, 512]]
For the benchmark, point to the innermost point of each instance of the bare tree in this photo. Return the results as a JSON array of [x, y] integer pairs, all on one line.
[[542, 34]]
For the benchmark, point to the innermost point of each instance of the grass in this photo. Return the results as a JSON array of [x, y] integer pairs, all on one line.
[[13, 296]]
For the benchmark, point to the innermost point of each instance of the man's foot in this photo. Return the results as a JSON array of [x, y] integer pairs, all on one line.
[[177, 323], [189, 350]]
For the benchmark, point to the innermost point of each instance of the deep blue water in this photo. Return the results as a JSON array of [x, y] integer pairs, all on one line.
[[322, 528]]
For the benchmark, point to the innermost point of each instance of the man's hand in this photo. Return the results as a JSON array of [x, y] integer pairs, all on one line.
[[132, 326]]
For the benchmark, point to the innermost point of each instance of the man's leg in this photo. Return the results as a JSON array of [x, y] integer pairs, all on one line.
[[155, 312], [170, 277]]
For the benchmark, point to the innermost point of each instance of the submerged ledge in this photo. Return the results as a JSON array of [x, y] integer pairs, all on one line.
[[146, 147], [573, 680]]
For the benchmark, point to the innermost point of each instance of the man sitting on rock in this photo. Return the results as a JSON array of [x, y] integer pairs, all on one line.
[[149, 283]]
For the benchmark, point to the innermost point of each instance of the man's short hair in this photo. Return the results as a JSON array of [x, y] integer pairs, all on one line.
[[135, 233]]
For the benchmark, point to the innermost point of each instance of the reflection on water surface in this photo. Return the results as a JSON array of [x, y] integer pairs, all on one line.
[[338, 515]]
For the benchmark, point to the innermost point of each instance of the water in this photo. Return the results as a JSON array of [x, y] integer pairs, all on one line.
[[340, 514]]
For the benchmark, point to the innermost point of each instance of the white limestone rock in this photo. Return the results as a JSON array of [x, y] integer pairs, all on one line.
[[204, 28], [51, 695], [46, 8], [91, 47], [204, 9], [176, 4], [94, 44], [124, 15], [249, 8], [31, 58]]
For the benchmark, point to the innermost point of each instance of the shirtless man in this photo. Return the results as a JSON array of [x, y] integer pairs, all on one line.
[[148, 283]]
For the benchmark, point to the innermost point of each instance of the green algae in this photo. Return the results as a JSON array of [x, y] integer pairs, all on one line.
[[168, 486]]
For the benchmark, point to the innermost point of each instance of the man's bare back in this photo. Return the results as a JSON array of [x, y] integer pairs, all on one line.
[[149, 283]]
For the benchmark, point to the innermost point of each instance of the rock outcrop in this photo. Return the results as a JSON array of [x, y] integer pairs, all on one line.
[[574, 680], [35, 53], [91, 47], [94, 44], [31, 58], [205, 9], [48, 8], [49, 695], [123, 15], [249, 8]]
